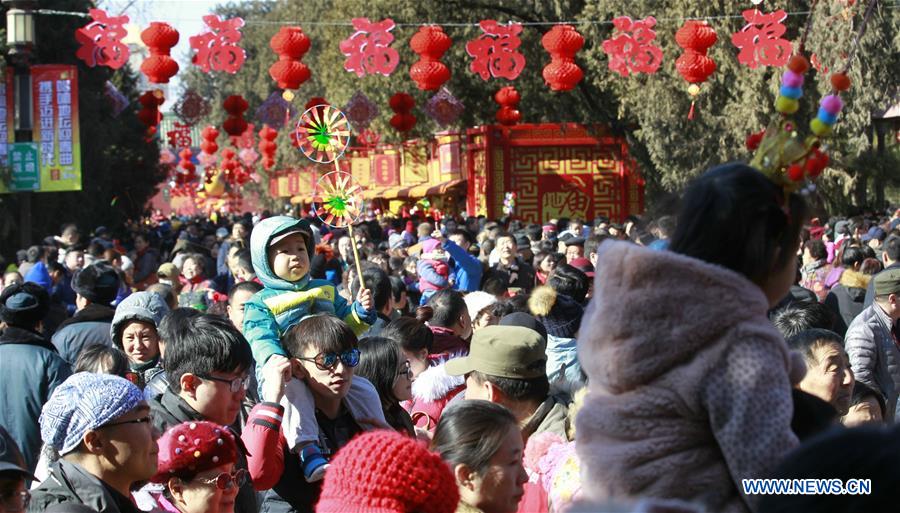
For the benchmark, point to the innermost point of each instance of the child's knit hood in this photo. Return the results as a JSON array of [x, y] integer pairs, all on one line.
[[261, 238]]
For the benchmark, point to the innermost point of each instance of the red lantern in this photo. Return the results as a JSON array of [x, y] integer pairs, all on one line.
[[208, 145], [430, 43], [694, 65], [267, 146], [186, 167], [290, 43], [159, 67], [235, 106], [562, 42], [508, 99], [149, 113], [402, 104]]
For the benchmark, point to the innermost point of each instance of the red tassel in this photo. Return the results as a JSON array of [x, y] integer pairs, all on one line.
[[691, 112]]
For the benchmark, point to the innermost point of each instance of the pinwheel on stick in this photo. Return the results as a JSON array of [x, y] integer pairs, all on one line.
[[323, 134]]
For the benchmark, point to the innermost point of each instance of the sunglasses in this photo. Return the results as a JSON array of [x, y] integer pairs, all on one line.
[[406, 370], [233, 384], [328, 361], [224, 481]]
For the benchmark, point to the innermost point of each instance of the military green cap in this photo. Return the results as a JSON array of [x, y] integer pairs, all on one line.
[[503, 351], [887, 282]]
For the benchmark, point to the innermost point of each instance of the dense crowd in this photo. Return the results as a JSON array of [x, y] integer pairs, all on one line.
[[243, 364]]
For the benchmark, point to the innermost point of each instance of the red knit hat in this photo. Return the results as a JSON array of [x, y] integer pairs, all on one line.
[[386, 472], [193, 447]]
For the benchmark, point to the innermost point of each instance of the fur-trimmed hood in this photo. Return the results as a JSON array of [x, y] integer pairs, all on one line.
[[434, 384], [855, 279]]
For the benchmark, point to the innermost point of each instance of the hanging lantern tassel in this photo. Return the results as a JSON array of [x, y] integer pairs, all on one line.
[[693, 90]]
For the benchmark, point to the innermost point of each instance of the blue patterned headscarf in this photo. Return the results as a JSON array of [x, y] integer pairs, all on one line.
[[84, 402]]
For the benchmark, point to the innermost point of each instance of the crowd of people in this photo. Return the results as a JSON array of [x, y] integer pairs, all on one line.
[[474, 366]]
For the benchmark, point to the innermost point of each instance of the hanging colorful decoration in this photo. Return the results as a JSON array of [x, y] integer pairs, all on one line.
[[228, 164], [508, 99], [696, 37], [509, 203], [117, 100], [180, 136], [631, 50], [101, 40], [208, 145], [166, 157], [368, 50], [290, 43], [248, 157], [235, 124], [267, 146], [217, 48], [275, 111], [430, 43], [159, 67], [760, 41], [444, 108], [323, 134], [192, 107], [402, 104], [360, 110], [149, 114], [247, 139], [495, 52], [562, 42]]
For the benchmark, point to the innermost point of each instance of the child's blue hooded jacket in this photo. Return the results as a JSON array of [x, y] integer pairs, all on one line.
[[282, 304]]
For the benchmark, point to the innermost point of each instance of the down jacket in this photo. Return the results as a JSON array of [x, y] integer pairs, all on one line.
[[874, 356], [690, 383]]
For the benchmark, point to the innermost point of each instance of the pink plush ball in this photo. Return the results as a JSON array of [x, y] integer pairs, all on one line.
[[792, 79], [832, 104]]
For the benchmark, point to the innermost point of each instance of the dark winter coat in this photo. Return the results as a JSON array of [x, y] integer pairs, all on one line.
[[69, 483], [30, 369], [847, 297], [521, 274], [89, 326], [874, 357]]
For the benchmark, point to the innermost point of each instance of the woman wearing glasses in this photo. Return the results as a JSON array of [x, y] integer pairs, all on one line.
[[382, 363], [325, 355], [197, 469]]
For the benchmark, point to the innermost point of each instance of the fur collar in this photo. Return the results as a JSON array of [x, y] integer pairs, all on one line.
[[434, 384], [855, 279]]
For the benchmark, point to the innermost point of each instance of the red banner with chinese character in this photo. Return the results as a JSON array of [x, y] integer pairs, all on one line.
[[55, 99]]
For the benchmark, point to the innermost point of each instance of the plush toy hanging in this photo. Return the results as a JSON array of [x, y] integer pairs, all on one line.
[[430, 43], [159, 67], [696, 37], [508, 99]]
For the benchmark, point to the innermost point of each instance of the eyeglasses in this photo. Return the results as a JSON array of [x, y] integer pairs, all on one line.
[[225, 480], [328, 361], [233, 384], [406, 370], [24, 500], [143, 420]]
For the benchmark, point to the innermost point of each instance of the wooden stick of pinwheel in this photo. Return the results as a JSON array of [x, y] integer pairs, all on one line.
[[323, 134]]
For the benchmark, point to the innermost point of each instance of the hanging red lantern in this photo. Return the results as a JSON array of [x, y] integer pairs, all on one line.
[[562, 42], [402, 104], [186, 168], [430, 43], [235, 106], [159, 67], [267, 146], [149, 113], [508, 99], [290, 43], [696, 37], [208, 145]]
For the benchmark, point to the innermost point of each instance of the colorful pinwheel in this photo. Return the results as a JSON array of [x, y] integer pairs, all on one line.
[[338, 200], [323, 133]]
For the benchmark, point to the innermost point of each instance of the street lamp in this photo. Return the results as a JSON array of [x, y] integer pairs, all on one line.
[[20, 39]]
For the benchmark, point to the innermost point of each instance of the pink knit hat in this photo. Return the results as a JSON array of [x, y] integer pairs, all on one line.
[[386, 472]]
